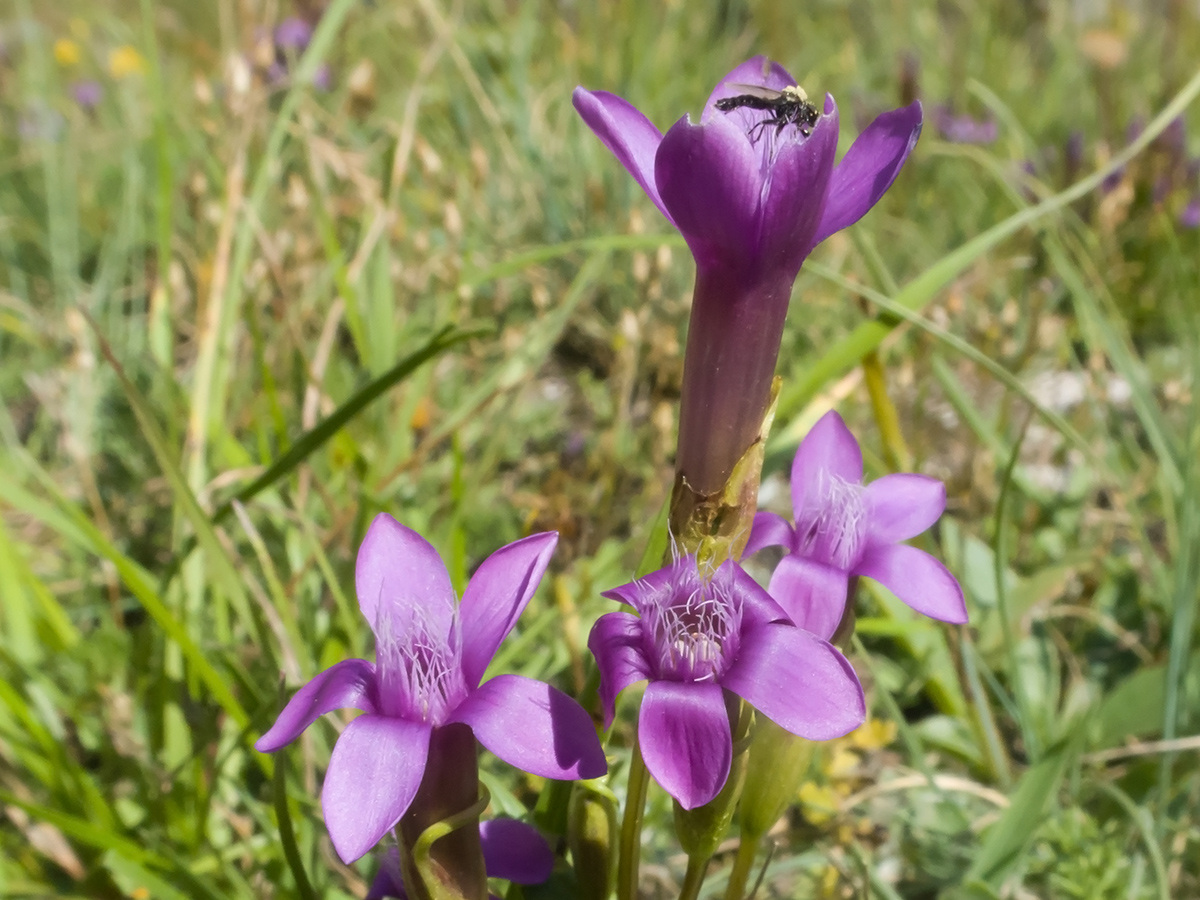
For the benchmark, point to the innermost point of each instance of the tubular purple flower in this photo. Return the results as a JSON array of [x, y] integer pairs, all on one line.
[[700, 638], [752, 200], [424, 687], [512, 850], [844, 528]]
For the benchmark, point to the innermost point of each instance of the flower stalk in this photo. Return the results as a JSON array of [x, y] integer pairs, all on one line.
[[630, 845], [716, 526], [441, 855]]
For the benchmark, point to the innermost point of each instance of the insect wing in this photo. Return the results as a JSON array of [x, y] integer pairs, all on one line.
[[756, 90]]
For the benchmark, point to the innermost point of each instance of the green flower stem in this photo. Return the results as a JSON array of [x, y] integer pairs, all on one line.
[[418, 870], [739, 875], [631, 827], [421, 852], [697, 868]]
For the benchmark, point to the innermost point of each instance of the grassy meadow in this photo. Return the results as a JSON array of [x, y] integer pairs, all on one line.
[[250, 298]]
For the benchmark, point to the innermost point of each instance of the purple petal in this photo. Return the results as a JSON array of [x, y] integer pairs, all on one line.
[[630, 136], [758, 71], [769, 530], [534, 727], [515, 851], [398, 576], [829, 449], [813, 595], [616, 642], [683, 729], [798, 681], [796, 193], [709, 178], [902, 506], [757, 605], [679, 575], [916, 578], [374, 773], [389, 882], [869, 168], [348, 684], [496, 596]]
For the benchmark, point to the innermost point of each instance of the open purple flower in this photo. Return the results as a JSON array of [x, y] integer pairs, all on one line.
[[752, 199], [845, 528], [431, 653], [512, 850], [699, 638]]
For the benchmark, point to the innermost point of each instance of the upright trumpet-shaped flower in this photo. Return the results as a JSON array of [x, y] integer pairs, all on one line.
[[698, 639], [752, 201], [844, 528], [431, 653]]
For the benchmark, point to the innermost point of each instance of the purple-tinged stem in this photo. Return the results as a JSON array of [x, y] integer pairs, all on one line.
[[450, 785]]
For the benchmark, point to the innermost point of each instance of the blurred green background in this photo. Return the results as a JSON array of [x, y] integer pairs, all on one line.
[[249, 298]]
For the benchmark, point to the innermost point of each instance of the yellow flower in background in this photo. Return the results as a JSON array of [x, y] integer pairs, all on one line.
[[819, 801], [873, 734], [66, 52], [125, 60]]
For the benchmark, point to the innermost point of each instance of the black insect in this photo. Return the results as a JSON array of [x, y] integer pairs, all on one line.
[[789, 107]]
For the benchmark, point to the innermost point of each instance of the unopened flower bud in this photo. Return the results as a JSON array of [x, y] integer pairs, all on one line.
[[778, 761], [592, 837]]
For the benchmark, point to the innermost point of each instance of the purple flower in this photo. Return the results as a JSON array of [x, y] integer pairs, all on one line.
[[87, 94], [964, 129], [752, 200], [1189, 216], [512, 850], [699, 639], [845, 528], [292, 35], [431, 653]]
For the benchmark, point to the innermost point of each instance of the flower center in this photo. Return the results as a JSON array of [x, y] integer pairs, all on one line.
[[419, 667], [832, 527], [694, 632]]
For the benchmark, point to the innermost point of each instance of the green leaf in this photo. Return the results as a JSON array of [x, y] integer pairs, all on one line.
[[1006, 841]]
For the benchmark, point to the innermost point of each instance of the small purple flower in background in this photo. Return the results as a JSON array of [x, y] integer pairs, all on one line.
[[1189, 216], [431, 653], [293, 35], [844, 528], [699, 638], [512, 850], [964, 129], [87, 94], [752, 199]]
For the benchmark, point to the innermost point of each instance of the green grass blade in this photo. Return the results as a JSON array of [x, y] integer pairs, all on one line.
[[315, 437], [287, 835], [1007, 840]]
